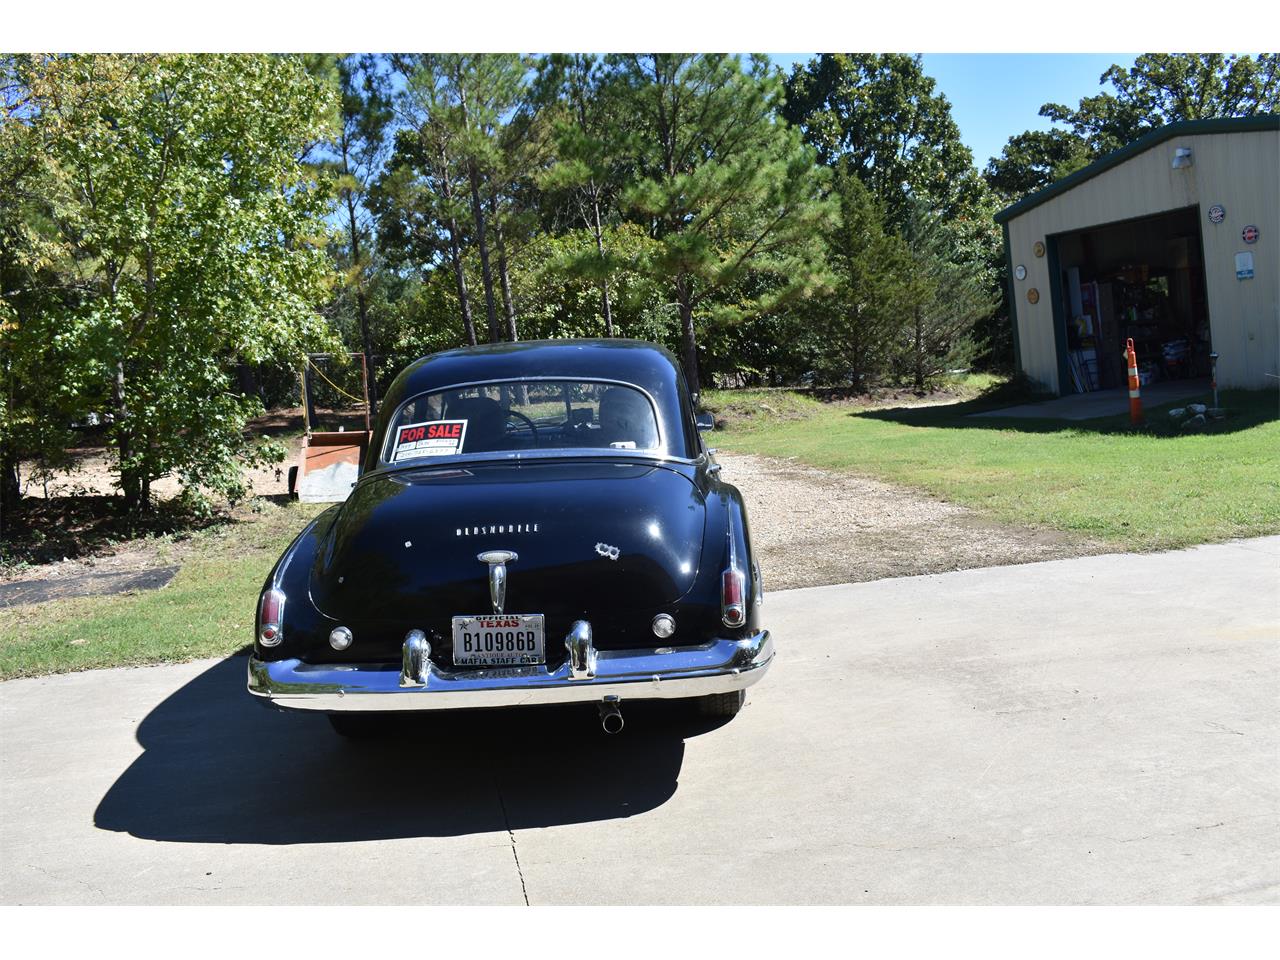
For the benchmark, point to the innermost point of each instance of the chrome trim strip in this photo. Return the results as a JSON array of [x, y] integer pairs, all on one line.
[[721, 666]]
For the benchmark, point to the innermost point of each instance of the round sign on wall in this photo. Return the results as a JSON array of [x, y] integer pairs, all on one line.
[[1038, 249], [1249, 234], [1217, 213], [1033, 295], [1020, 272]]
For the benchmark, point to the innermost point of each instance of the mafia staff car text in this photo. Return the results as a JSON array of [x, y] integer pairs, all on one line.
[[535, 523]]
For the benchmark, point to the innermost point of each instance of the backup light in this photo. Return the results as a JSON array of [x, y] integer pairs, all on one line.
[[340, 638], [664, 625]]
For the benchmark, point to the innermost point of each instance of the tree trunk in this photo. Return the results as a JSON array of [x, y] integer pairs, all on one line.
[[130, 478], [605, 306], [10, 485], [459, 275], [362, 304], [689, 339], [477, 211], [508, 305], [367, 340], [919, 352], [486, 274]]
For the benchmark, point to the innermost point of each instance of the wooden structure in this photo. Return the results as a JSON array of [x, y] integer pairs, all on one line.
[[330, 460]]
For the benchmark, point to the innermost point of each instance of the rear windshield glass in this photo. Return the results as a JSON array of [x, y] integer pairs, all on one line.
[[522, 415]]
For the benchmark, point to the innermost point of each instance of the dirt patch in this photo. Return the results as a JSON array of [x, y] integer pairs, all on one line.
[[811, 527], [93, 475], [16, 592]]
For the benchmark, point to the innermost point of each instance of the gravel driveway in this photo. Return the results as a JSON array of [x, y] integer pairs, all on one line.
[[811, 527]]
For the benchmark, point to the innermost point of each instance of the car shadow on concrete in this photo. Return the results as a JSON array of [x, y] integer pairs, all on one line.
[[218, 767]]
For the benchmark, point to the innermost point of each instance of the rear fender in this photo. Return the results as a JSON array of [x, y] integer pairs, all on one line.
[[291, 576]]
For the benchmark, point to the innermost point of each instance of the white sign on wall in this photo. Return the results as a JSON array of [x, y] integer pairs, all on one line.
[[1244, 265]]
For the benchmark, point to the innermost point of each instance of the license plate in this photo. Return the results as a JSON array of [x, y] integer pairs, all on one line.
[[510, 639]]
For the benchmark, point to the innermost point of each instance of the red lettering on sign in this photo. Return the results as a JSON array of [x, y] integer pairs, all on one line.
[[445, 431], [410, 434]]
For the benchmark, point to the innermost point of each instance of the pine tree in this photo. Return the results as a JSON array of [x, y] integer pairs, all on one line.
[[723, 184]]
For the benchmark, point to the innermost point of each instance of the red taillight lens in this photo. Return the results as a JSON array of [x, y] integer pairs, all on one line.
[[270, 614], [733, 610]]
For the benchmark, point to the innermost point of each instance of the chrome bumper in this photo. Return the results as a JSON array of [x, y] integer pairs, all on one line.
[[720, 666]]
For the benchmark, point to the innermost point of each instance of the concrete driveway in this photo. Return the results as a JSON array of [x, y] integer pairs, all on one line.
[[1095, 730]]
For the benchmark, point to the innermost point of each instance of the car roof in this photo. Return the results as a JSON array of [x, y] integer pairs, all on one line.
[[646, 365]]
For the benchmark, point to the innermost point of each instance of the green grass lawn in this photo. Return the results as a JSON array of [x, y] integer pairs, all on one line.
[[1154, 488], [206, 611]]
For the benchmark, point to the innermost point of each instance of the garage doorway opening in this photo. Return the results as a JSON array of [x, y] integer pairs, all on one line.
[[1139, 279]]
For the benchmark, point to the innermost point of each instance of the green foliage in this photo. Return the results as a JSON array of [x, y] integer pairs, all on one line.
[[726, 187], [1033, 160], [943, 296], [1163, 88], [860, 317], [879, 118], [182, 235], [560, 297], [881, 115], [1160, 88]]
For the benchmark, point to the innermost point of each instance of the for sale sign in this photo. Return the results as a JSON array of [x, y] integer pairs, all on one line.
[[434, 438]]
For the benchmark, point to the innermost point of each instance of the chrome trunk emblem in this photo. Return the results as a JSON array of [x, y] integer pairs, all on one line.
[[497, 561]]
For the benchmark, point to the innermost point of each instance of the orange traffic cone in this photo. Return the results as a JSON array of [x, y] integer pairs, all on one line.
[[1135, 397]]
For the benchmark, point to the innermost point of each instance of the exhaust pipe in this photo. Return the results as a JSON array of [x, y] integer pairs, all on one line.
[[610, 715]]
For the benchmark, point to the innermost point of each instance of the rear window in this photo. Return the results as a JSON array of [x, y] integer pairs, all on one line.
[[522, 415]]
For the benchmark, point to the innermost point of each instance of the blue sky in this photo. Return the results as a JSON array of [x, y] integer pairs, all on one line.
[[996, 95]]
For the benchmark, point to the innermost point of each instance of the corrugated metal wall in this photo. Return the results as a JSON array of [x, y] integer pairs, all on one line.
[[1240, 171]]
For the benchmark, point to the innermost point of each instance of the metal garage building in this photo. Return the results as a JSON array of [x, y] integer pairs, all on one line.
[[1171, 241]]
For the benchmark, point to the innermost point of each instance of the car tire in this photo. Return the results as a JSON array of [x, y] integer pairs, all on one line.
[[358, 726], [722, 704]]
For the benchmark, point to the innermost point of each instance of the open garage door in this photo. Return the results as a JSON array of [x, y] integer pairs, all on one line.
[[1137, 279]]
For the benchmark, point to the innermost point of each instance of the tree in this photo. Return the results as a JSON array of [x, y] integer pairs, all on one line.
[[358, 153], [859, 318], [186, 237], [881, 115], [36, 416], [1162, 88], [1032, 160], [941, 299], [417, 200], [722, 183], [454, 106], [591, 152]]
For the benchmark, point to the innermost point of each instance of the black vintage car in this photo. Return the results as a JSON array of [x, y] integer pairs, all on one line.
[[534, 523]]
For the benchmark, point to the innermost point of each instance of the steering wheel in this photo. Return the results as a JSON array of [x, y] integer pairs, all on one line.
[[532, 429]]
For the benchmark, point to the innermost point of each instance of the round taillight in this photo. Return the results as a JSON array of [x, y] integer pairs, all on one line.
[[340, 638], [664, 625]]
